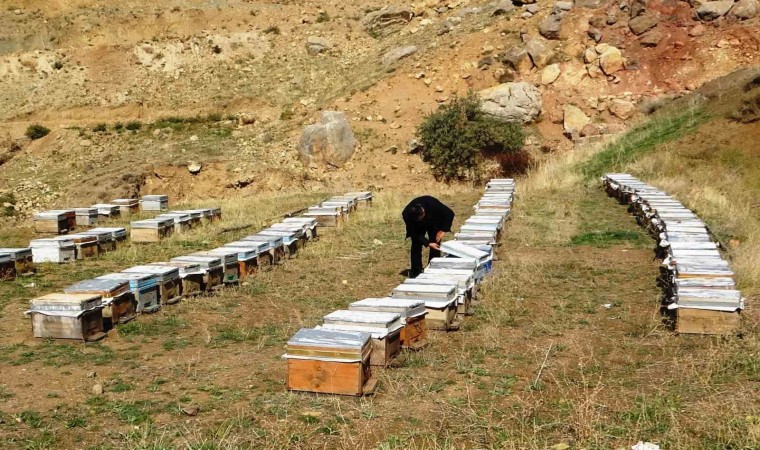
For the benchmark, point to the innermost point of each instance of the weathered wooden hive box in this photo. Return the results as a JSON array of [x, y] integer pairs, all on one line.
[[363, 198], [264, 250], [498, 221], [119, 305], [213, 270], [191, 276], [309, 223], [247, 259], [348, 205], [119, 233], [292, 240], [67, 316], [478, 270], [464, 301], [144, 287], [56, 221], [86, 217], [440, 303], [180, 220], [385, 329], [303, 231], [414, 333], [464, 279], [197, 216], [326, 217], [53, 250], [154, 203], [343, 207], [152, 230], [22, 258], [104, 240], [216, 213], [86, 245], [277, 245], [330, 362], [463, 251], [127, 206], [167, 277], [107, 210], [229, 260], [7, 267]]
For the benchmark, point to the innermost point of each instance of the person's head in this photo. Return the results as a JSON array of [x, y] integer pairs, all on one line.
[[415, 212]]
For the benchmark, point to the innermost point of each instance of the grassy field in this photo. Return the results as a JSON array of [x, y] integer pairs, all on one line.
[[567, 348]]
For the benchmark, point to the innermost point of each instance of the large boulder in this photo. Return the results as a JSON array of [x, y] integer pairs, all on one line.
[[512, 102], [622, 109], [574, 120], [641, 24], [550, 74], [611, 60], [744, 9], [387, 20], [330, 141], [714, 10], [393, 56], [539, 52]]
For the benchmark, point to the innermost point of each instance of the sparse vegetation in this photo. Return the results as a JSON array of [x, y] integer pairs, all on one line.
[[133, 125], [458, 136], [7, 202], [323, 16], [36, 131], [100, 128], [58, 65], [273, 29]]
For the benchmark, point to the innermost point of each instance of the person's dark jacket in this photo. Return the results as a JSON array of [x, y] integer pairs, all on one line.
[[438, 217]]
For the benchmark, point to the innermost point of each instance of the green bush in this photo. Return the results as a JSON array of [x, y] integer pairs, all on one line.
[[36, 131], [100, 128], [459, 136], [133, 125]]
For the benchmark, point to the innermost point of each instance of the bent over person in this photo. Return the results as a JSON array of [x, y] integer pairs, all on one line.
[[426, 219]]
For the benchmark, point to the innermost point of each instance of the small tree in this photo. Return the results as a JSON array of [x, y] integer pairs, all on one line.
[[36, 131], [458, 136]]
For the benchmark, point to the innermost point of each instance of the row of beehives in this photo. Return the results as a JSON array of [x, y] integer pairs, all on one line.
[[337, 357], [79, 311], [62, 221], [96, 241], [699, 286]]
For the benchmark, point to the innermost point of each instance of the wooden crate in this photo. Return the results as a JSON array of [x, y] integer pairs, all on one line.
[[25, 265], [213, 279], [703, 321], [442, 319], [248, 267], [192, 284], [86, 327], [170, 291], [414, 334], [86, 250], [265, 261], [465, 307], [121, 310], [385, 349], [149, 235]]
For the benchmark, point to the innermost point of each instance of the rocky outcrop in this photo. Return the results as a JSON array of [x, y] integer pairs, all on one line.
[[713, 10], [387, 20], [330, 141], [512, 102], [395, 55], [744, 9]]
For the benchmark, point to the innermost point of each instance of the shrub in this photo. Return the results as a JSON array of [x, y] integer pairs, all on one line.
[[100, 128], [9, 199], [323, 17], [118, 126], [274, 29], [458, 136], [58, 65], [133, 125], [36, 131]]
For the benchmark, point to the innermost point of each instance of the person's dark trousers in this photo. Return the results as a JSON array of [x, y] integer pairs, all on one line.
[[416, 255]]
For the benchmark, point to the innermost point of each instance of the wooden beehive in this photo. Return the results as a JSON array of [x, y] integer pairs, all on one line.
[[326, 217], [22, 258], [704, 321], [414, 333], [127, 206], [86, 217], [57, 221], [464, 302], [264, 257], [229, 259], [7, 267], [67, 316], [119, 305], [247, 260], [440, 304], [144, 287], [153, 230], [385, 329], [154, 203], [330, 362], [276, 246], [53, 250], [213, 270], [191, 276], [167, 277]]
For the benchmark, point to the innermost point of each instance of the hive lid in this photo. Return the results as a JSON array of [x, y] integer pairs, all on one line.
[[153, 223], [163, 271], [461, 250], [86, 211], [454, 263], [244, 253], [103, 287], [275, 241], [137, 277], [387, 320], [302, 220], [705, 283], [62, 301], [125, 201], [256, 245], [224, 254], [116, 232], [403, 307], [155, 197], [5, 257], [49, 242], [208, 261], [328, 345], [15, 253], [185, 267], [54, 214], [710, 299]]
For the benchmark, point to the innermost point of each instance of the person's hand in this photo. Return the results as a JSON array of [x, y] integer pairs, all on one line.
[[439, 236], [434, 246]]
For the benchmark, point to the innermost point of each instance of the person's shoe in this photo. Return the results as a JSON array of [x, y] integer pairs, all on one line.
[[413, 273]]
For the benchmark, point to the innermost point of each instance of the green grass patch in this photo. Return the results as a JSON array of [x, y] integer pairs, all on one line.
[[641, 140], [605, 239], [160, 326]]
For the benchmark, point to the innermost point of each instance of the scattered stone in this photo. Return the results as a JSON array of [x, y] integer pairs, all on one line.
[[595, 34], [415, 146], [611, 60], [394, 167], [589, 4], [564, 5], [550, 74], [518, 59], [744, 9], [92, 374], [387, 20], [190, 410], [85, 143], [377, 242], [642, 24], [712, 10], [526, 15], [512, 102], [194, 167], [574, 119], [503, 7], [590, 55], [532, 8], [539, 52], [651, 39], [622, 109], [97, 389], [392, 150], [331, 141], [697, 31], [193, 138], [637, 8], [395, 55], [550, 27], [316, 45], [592, 129]]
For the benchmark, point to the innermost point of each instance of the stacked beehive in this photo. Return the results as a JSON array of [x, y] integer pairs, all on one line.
[[699, 286], [146, 288], [337, 357]]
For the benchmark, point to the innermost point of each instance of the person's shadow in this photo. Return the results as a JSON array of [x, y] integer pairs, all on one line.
[[405, 273]]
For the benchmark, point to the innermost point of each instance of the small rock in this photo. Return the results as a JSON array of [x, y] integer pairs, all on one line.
[[377, 242], [387, 20], [539, 52], [190, 410], [392, 150], [526, 15], [560, 446], [595, 34], [503, 7], [193, 138], [518, 59], [550, 27], [622, 109], [611, 61], [644, 23], [97, 389], [590, 55], [712, 10], [651, 39], [394, 166], [85, 143], [533, 8], [415, 146], [316, 45], [574, 119], [637, 8], [564, 5], [395, 55], [550, 74], [697, 31], [92, 374], [194, 167]]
